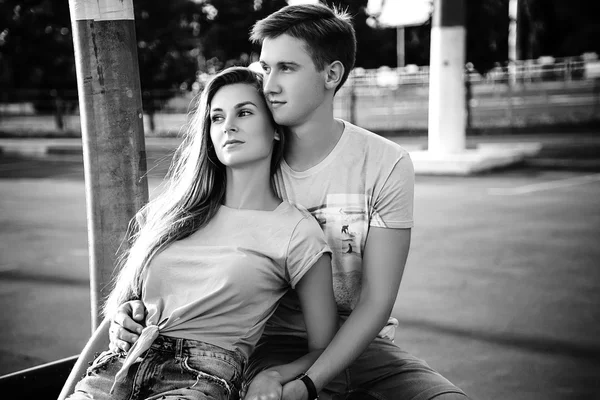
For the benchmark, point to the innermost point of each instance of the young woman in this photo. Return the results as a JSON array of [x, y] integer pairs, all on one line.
[[210, 258]]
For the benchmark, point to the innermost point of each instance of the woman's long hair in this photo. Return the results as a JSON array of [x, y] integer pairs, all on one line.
[[195, 188]]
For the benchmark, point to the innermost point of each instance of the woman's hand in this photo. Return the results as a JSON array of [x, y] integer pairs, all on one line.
[[265, 386], [295, 390], [126, 325]]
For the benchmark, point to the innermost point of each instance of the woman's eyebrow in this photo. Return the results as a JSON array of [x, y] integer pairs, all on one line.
[[244, 103], [238, 105]]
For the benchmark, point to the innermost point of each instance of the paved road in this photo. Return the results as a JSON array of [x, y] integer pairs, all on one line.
[[501, 292]]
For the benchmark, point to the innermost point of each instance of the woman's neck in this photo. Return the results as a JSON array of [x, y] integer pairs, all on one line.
[[250, 189]]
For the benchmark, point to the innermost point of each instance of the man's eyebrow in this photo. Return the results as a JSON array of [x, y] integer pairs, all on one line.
[[238, 105], [280, 63]]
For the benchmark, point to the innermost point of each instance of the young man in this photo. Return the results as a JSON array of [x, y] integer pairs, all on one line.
[[360, 187]]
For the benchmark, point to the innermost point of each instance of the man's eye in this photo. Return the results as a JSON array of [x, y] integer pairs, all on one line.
[[266, 69]]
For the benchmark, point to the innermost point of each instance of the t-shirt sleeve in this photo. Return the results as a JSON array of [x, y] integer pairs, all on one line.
[[307, 245], [393, 206]]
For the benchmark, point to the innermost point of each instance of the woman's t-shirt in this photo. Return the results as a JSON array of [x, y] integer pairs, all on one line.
[[221, 284]]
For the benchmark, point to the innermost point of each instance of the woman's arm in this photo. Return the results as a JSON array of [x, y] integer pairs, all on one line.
[[384, 258], [97, 343], [315, 291]]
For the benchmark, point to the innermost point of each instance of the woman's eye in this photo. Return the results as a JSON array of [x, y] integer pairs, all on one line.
[[244, 113], [216, 118]]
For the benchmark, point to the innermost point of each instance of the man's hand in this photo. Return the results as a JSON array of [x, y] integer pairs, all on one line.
[[126, 325], [264, 386]]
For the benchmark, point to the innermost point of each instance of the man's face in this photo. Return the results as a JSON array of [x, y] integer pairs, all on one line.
[[293, 87]]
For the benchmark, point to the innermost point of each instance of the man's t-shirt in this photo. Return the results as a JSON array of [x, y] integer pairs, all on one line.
[[365, 181]]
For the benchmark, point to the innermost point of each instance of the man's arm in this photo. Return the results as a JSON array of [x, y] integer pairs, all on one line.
[[315, 292], [384, 258], [97, 343]]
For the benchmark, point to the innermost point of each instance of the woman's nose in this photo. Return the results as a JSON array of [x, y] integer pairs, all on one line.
[[229, 127]]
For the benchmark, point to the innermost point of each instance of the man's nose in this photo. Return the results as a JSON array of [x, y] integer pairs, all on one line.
[[270, 84]]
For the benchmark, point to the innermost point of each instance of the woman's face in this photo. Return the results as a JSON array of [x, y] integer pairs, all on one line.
[[240, 126]]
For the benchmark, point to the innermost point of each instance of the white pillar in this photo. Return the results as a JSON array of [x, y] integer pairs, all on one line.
[[513, 49], [447, 104]]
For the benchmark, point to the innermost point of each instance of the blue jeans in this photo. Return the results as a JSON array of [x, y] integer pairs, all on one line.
[[171, 369], [382, 372]]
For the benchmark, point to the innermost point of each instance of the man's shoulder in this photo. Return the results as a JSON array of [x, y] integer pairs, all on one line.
[[370, 142]]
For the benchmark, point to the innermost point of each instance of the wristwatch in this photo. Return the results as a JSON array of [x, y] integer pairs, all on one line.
[[310, 386]]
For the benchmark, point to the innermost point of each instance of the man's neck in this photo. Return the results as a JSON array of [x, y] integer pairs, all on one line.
[[310, 143]]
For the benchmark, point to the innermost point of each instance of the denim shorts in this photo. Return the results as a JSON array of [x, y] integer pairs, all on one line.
[[172, 368]]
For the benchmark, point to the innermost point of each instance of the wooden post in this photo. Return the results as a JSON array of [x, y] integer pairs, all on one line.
[[447, 108], [114, 156]]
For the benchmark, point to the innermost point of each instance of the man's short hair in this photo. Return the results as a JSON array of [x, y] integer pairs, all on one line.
[[328, 33]]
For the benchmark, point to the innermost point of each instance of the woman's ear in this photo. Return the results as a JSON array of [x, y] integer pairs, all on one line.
[[335, 71], [277, 135]]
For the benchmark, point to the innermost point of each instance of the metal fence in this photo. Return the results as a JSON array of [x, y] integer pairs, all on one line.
[[544, 69]]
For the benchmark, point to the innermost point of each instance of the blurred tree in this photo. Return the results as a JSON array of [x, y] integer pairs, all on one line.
[[37, 59], [226, 40], [559, 28], [168, 35], [36, 54], [487, 33], [376, 46]]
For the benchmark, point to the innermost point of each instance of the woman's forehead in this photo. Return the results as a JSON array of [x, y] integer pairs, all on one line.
[[236, 91]]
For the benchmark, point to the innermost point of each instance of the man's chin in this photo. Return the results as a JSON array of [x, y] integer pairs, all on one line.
[[281, 120]]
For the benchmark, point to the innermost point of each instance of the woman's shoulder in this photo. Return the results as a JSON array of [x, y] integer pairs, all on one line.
[[295, 210], [304, 222]]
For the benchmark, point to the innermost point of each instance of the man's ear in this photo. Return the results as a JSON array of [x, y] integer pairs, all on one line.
[[334, 72]]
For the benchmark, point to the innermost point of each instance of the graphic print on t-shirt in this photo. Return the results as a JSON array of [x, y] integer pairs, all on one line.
[[345, 221]]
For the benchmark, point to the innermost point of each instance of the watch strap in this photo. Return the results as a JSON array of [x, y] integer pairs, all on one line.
[[310, 386]]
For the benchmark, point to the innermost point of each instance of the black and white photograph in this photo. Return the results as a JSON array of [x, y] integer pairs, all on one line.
[[300, 199]]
